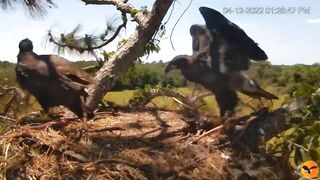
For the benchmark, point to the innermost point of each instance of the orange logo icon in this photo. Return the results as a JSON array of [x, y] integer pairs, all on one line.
[[309, 169]]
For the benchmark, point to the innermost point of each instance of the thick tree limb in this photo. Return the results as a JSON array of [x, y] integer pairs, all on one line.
[[134, 48]]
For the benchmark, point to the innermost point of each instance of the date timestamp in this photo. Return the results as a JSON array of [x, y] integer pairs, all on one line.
[[266, 10]]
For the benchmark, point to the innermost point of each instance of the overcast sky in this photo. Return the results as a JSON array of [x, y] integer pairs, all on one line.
[[286, 38]]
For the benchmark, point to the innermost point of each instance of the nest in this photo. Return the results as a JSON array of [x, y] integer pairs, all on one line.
[[124, 145], [143, 144]]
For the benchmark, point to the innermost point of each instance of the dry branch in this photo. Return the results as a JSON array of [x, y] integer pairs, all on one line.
[[208, 133], [107, 129]]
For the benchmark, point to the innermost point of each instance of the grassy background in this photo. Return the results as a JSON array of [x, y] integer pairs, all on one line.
[[122, 98]]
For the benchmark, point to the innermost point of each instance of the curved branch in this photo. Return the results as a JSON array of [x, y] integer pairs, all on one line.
[[174, 26], [116, 33], [90, 48]]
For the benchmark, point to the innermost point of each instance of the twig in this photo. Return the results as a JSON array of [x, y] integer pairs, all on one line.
[[181, 103], [148, 132], [208, 133], [214, 167], [6, 152], [201, 96], [184, 137], [7, 118], [171, 12], [174, 26], [122, 6], [310, 143], [120, 161], [301, 147], [76, 156], [108, 129], [194, 89]]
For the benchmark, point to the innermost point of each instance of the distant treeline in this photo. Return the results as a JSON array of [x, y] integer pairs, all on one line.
[[298, 80], [301, 79], [140, 75]]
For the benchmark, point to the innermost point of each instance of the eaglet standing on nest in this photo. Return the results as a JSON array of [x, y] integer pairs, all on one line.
[[221, 55], [52, 80]]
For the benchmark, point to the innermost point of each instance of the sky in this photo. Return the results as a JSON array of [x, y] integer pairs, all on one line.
[[287, 38]]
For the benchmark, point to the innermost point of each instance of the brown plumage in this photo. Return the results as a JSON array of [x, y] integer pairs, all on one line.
[[237, 80], [192, 69], [207, 67], [241, 81], [236, 48], [53, 80], [200, 37]]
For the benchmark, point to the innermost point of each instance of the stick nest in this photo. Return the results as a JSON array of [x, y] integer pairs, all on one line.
[[146, 144]]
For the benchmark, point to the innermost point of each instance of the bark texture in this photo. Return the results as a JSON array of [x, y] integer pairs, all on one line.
[[134, 48]]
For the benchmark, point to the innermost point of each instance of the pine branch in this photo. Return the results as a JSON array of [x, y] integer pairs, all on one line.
[[122, 6], [36, 8], [88, 39]]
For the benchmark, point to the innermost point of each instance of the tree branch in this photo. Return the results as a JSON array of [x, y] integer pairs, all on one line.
[[90, 47], [131, 51], [122, 6]]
